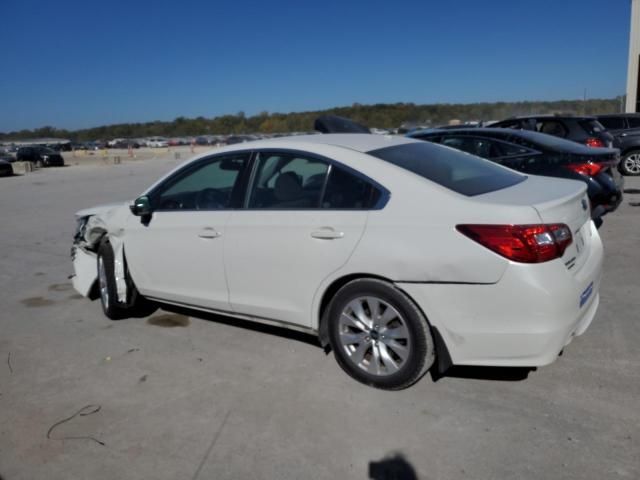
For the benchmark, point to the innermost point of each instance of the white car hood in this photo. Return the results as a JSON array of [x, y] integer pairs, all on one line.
[[105, 210]]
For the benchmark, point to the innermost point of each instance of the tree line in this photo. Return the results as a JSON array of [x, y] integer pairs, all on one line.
[[377, 115]]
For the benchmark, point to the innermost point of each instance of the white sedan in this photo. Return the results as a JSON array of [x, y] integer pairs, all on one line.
[[401, 255]]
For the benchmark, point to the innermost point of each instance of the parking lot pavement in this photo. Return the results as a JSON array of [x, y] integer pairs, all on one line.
[[183, 397]]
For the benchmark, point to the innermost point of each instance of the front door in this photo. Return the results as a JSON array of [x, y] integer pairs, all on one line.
[[177, 254]]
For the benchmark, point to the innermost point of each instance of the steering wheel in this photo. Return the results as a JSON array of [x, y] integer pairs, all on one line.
[[210, 198]]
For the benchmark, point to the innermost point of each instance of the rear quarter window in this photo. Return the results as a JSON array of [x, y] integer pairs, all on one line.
[[458, 171]]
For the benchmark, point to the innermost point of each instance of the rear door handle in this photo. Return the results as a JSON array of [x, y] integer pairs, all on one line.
[[209, 232], [327, 233]]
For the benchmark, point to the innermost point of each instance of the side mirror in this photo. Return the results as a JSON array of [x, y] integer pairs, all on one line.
[[141, 207]]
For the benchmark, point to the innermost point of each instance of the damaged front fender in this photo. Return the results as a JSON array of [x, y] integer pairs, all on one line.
[[94, 226]]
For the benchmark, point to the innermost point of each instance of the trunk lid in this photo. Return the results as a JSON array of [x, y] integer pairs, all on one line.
[[556, 201]]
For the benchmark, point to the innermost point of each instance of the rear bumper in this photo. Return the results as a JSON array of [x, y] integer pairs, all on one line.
[[524, 320]]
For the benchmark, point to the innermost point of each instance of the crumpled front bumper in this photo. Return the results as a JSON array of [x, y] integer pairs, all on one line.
[[85, 270]]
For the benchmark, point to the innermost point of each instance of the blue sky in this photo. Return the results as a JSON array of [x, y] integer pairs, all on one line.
[[77, 64]]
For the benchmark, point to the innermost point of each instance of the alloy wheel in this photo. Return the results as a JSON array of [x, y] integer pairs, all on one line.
[[374, 335], [631, 164]]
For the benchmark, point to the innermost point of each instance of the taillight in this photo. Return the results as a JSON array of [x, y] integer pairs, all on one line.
[[588, 169], [522, 243], [594, 142]]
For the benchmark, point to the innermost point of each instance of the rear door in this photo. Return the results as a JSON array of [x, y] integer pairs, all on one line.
[[303, 218], [630, 138]]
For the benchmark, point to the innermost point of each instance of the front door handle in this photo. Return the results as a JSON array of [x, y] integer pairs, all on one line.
[[209, 232], [327, 233]]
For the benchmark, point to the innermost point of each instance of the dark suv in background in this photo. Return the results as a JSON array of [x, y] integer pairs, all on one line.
[[625, 128], [585, 130], [40, 156]]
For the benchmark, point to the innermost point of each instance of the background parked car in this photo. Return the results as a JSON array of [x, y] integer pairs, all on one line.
[[40, 156], [125, 144], [541, 154], [585, 130], [157, 142], [6, 170], [7, 156], [626, 130]]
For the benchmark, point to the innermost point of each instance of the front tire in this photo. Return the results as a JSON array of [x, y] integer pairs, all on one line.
[[112, 308], [378, 335], [630, 163]]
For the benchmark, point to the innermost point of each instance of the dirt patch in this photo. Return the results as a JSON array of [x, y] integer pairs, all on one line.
[[60, 287], [169, 320], [632, 190], [75, 296], [32, 302], [39, 274]]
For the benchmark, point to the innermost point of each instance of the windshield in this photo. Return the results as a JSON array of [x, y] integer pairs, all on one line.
[[458, 171], [46, 150]]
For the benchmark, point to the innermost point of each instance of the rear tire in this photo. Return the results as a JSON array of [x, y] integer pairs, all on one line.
[[630, 163], [138, 306], [379, 336]]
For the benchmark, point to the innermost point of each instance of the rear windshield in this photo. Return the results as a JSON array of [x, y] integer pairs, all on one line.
[[458, 171], [592, 127]]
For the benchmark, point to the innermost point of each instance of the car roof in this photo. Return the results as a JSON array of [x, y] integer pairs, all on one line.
[[360, 142], [550, 115], [618, 115]]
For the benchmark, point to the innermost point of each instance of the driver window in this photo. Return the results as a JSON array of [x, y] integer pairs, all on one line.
[[208, 187]]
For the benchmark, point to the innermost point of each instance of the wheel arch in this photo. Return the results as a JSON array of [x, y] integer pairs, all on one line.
[[442, 357], [630, 149]]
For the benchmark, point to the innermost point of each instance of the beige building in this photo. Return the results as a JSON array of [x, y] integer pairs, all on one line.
[[633, 79]]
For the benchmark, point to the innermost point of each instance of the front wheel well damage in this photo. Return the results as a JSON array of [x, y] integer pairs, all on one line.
[[443, 359]]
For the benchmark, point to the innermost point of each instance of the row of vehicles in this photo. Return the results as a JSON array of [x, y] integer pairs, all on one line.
[[401, 255], [38, 155], [571, 147]]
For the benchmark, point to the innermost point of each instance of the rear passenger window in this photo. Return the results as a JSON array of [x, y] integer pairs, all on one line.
[[612, 123], [347, 191], [287, 182], [511, 150], [634, 122]]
